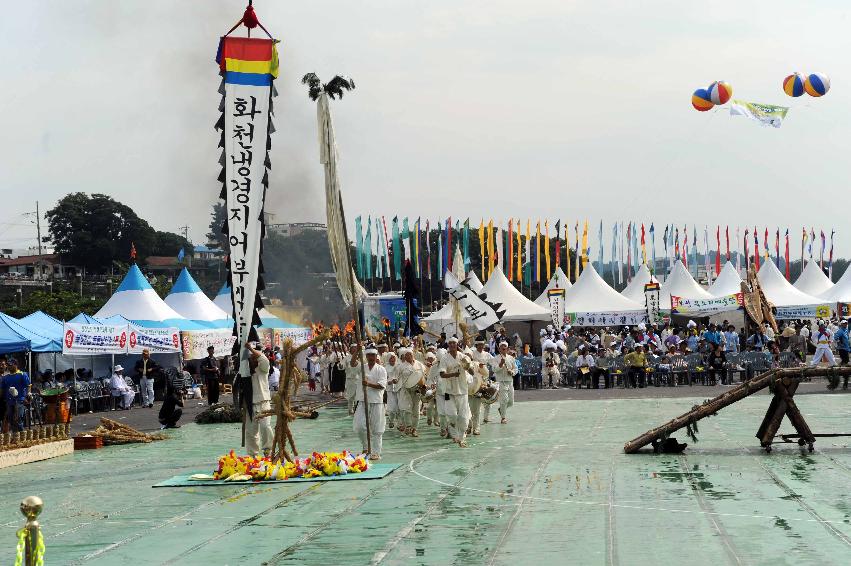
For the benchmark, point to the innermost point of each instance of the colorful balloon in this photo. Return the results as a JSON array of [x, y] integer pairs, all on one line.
[[793, 85], [720, 92], [700, 100], [817, 84]]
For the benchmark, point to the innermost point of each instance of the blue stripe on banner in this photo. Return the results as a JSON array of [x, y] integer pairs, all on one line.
[[250, 79]]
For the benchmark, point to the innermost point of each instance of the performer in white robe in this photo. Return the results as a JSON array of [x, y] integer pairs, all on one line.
[[412, 374], [327, 361], [431, 383], [258, 430], [823, 339], [551, 360], [353, 376], [504, 369], [442, 398], [453, 369], [376, 383], [480, 358], [390, 361]]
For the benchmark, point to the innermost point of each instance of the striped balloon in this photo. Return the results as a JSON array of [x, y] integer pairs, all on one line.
[[720, 92], [700, 100], [817, 84], [793, 85]]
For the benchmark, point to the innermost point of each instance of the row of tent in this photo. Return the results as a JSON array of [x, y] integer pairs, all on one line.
[[591, 294], [186, 307]]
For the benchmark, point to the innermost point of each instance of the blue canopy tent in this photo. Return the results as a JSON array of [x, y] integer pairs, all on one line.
[[83, 318], [12, 342], [39, 340]]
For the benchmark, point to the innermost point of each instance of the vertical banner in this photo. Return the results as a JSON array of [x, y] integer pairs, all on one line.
[[556, 297], [652, 297], [248, 66]]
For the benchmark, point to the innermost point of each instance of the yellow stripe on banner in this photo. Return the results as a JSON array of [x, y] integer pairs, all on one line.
[[254, 67]]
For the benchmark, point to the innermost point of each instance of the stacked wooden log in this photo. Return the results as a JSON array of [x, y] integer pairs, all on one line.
[[113, 432]]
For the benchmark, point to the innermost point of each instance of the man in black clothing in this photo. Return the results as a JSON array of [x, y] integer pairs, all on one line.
[[172, 408], [146, 369], [210, 371]]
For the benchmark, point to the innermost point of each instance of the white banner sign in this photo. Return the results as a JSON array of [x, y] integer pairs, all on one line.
[[652, 302], [155, 340], [606, 318], [706, 307], [811, 311], [195, 343], [89, 339], [556, 297], [479, 310]]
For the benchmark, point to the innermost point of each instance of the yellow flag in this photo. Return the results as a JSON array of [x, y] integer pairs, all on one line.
[[567, 249], [576, 253], [538, 251], [585, 245], [547, 248], [490, 247], [482, 245], [529, 243], [519, 254]]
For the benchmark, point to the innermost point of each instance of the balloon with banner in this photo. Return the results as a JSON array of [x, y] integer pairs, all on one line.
[[248, 67]]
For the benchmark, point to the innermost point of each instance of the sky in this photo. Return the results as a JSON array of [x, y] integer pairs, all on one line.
[[544, 109]]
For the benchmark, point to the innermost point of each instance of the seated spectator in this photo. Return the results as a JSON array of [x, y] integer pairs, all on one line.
[[716, 364], [636, 362], [118, 388]]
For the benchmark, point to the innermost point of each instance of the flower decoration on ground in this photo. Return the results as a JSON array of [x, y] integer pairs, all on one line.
[[263, 469]]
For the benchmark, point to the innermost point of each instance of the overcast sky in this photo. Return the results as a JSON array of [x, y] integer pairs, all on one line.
[[543, 108]]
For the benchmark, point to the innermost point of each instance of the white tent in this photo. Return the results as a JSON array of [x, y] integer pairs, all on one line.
[[634, 291], [590, 294], [187, 299], [680, 283], [558, 281], [223, 300], [779, 291], [728, 282], [813, 281], [474, 282], [841, 291], [516, 306], [137, 301]]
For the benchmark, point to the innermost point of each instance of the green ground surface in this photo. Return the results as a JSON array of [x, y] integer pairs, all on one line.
[[551, 487]]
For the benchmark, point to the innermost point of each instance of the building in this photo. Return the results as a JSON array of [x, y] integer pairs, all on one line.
[[41, 267], [207, 253], [289, 229]]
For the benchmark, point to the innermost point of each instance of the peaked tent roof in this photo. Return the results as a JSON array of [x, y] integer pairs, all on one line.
[[682, 284], [474, 282], [43, 323], [813, 281], [187, 299], [10, 341], [634, 291], [223, 300], [137, 301], [779, 291], [558, 280], [38, 341], [841, 291], [516, 306], [728, 281], [592, 294], [83, 318]]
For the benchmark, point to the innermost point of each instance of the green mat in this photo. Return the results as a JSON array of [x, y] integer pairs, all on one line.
[[374, 472]]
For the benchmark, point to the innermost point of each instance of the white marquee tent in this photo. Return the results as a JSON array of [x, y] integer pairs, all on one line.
[[779, 291], [474, 282], [634, 291], [813, 281], [841, 291], [516, 306], [680, 283], [558, 281], [728, 282], [591, 294], [187, 299]]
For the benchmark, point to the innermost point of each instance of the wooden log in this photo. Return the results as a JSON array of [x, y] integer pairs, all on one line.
[[775, 413], [727, 398]]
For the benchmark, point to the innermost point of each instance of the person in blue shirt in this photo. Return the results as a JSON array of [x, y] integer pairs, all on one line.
[[843, 346], [16, 389], [712, 336]]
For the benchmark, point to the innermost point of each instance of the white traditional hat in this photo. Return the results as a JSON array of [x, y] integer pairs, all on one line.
[[118, 367], [549, 345], [371, 350], [452, 340]]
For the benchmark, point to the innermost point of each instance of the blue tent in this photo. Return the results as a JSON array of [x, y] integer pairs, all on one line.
[[12, 342], [39, 342], [43, 323], [83, 318]]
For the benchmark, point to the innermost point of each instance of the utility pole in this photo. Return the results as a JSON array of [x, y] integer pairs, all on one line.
[[38, 228], [185, 230]]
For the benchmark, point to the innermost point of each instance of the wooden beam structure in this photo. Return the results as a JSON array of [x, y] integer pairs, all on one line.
[[784, 383]]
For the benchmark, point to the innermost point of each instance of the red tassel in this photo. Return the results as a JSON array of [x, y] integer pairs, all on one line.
[[249, 19]]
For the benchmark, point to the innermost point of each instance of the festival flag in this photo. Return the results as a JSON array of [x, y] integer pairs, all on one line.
[[519, 250], [359, 246], [653, 247], [694, 249], [629, 252], [777, 248], [727, 236], [739, 255], [447, 262], [765, 245], [787, 255], [706, 267], [676, 244], [812, 241], [567, 249], [600, 249], [440, 266], [665, 241], [428, 251], [405, 238], [830, 258], [510, 259], [466, 243], [613, 264], [634, 248], [643, 246], [482, 246], [585, 244], [528, 249], [821, 253], [368, 248], [536, 273], [491, 247], [756, 248], [397, 253], [181, 254], [547, 249], [685, 247], [718, 251], [671, 258], [558, 243], [803, 245]]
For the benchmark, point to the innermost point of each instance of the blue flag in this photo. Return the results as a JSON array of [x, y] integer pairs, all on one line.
[[180, 255]]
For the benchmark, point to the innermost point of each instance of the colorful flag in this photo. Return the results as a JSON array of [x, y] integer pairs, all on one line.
[[490, 247], [558, 243], [804, 236], [653, 247], [777, 249], [718, 250], [482, 246], [405, 238], [643, 246], [830, 259], [787, 255], [706, 267], [613, 262], [529, 249], [519, 254], [685, 247], [821, 253], [397, 252], [466, 250], [629, 252], [576, 256], [747, 251], [510, 260], [727, 236], [447, 259], [368, 273], [428, 250], [440, 269], [765, 245], [536, 274], [600, 252], [694, 249], [585, 245], [547, 248], [812, 241], [756, 248]]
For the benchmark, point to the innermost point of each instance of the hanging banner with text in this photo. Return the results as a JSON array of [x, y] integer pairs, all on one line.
[[706, 307], [605, 318], [806, 311], [196, 342], [248, 66], [475, 307], [92, 339], [556, 297], [155, 340]]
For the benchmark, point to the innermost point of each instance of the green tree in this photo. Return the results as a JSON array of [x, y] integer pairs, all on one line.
[[62, 305], [92, 231], [217, 219], [169, 244]]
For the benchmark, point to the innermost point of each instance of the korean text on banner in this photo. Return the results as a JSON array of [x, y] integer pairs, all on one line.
[[155, 340], [89, 339], [195, 343], [706, 307], [605, 318], [806, 311]]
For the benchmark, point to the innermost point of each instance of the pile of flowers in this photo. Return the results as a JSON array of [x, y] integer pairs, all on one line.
[[244, 468]]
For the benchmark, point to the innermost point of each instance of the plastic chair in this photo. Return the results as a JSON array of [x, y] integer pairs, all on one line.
[[679, 371], [530, 372], [696, 368]]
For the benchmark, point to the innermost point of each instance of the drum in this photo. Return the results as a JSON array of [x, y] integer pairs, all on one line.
[[489, 392], [474, 383]]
